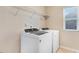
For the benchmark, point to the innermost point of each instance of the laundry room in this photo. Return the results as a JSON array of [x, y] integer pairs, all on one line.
[[39, 29]]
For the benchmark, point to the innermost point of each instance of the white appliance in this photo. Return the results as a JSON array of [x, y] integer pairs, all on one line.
[[46, 41]]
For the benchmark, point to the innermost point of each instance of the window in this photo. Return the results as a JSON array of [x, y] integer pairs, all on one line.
[[71, 19]]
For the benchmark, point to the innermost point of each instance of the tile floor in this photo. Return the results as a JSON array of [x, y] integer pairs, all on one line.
[[62, 50]]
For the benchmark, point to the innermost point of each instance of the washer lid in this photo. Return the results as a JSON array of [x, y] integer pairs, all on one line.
[[38, 32]]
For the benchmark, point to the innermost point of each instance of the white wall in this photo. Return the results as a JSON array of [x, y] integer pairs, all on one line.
[[55, 22], [11, 26], [33, 16]]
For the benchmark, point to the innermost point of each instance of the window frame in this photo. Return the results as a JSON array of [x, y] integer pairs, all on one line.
[[64, 20]]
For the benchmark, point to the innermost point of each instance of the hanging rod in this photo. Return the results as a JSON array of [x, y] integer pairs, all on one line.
[[30, 10]]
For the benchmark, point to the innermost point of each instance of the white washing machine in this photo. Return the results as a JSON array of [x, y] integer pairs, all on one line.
[[46, 41]]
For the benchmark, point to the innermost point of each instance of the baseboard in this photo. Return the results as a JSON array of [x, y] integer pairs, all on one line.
[[70, 49]]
